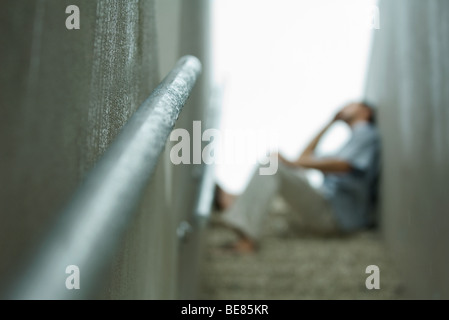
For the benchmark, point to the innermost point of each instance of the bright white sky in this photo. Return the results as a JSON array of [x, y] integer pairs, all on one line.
[[287, 66]]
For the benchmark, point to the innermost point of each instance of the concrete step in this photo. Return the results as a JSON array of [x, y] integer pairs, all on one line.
[[297, 266]]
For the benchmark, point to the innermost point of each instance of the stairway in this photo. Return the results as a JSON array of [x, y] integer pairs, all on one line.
[[296, 266]]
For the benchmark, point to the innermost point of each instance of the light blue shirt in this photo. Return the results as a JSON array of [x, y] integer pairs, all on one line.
[[350, 194]]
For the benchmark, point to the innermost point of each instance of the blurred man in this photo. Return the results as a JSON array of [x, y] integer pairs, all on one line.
[[342, 204]]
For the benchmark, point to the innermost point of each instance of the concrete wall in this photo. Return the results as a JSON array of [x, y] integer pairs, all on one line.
[[65, 96], [409, 80]]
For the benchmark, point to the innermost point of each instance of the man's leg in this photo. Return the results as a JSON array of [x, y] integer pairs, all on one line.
[[311, 209], [247, 215], [249, 210]]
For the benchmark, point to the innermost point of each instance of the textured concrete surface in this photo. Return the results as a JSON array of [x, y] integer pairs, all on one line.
[[68, 95], [408, 80], [295, 266], [65, 96]]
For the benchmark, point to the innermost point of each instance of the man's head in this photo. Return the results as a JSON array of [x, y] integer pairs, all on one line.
[[355, 112]]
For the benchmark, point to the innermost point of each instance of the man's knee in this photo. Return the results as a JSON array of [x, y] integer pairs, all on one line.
[[287, 172]]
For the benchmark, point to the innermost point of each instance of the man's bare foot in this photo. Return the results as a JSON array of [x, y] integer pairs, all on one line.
[[245, 245], [242, 246]]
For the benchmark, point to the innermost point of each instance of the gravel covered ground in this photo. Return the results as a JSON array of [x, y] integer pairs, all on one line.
[[294, 265]]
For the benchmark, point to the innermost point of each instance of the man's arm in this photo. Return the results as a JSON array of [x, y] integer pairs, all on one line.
[[325, 165], [309, 161]]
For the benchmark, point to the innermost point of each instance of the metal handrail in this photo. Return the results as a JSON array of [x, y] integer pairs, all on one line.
[[89, 229]]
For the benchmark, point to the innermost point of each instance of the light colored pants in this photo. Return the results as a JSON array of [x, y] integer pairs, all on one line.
[[250, 209]]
